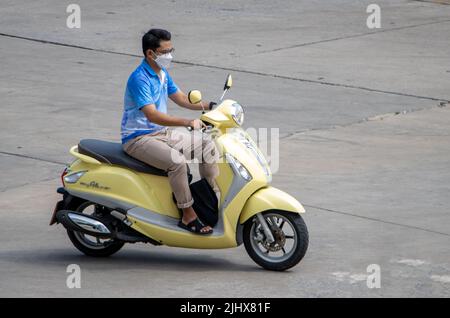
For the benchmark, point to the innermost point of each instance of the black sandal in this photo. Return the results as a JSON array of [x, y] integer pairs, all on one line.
[[195, 227]]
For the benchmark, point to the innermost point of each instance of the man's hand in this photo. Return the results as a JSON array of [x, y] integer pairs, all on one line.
[[196, 124]]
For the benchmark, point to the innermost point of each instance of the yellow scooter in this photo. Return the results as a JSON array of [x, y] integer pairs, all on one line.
[[110, 199]]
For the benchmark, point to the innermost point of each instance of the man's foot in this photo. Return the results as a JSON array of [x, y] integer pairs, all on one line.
[[189, 216], [196, 227]]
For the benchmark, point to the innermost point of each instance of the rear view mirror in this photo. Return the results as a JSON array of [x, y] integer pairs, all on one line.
[[195, 97], [228, 82]]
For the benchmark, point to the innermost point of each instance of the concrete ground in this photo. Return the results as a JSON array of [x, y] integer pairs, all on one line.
[[364, 124]]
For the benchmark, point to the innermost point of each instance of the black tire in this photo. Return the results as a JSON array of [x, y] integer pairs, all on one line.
[[300, 249], [112, 247]]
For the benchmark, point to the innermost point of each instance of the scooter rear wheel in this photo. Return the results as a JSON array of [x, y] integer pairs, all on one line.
[[90, 245], [291, 240]]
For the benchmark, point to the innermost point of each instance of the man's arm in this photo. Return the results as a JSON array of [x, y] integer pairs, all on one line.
[[181, 99], [163, 119]]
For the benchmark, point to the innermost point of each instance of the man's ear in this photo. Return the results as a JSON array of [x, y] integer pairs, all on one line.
[[148, 54]]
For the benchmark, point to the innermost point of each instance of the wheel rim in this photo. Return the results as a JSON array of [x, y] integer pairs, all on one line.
[[286, 238], [90, 241]]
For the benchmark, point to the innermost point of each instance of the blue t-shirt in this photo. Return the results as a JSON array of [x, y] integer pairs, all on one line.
[[144, 87]]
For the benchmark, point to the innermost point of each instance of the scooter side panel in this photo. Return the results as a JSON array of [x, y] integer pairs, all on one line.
[[120, 184], [182, 238]]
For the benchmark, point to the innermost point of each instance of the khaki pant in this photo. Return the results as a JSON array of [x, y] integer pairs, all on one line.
[[169, 149]]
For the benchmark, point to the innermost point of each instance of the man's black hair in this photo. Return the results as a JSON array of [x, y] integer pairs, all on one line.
[[152, 39]]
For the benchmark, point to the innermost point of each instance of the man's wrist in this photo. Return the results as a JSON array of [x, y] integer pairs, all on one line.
[[187, 123]]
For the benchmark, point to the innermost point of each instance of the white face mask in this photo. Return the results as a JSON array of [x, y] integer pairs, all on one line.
[[164, 60]]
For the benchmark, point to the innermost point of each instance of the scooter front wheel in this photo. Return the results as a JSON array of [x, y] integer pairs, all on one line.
[[290, 245], [90, 245]]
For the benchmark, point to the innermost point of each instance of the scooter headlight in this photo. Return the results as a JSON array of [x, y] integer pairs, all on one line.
[[237, 112], [74, 177], [237, 167]]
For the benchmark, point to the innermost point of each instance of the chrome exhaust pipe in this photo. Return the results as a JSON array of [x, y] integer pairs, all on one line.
[[79, 222]]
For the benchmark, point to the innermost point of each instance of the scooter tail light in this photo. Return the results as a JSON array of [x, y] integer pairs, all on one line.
[[73, 177], [63, 174]]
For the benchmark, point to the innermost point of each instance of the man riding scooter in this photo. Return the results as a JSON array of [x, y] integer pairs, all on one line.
[[110, 199], [148, 132]]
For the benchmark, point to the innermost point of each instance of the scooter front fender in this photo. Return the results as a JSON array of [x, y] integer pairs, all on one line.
[[269, 198]]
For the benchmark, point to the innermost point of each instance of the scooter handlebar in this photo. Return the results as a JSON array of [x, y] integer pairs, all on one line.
[[203, 129]]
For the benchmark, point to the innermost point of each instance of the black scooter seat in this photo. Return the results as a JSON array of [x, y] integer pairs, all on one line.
[[113, 153]]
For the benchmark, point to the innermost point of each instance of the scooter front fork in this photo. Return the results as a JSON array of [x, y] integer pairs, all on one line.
[[269, 237]]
